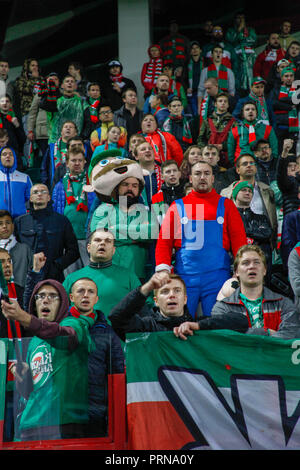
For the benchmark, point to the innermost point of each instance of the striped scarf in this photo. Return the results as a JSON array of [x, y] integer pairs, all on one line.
[[261, 106], [221, 74], [118, 79], [11, 325], [154, 69], [251, 130], [9, 116], [59, 155], [285, 92], [186, 131], [93, 108], [81, 200], [204, 109]]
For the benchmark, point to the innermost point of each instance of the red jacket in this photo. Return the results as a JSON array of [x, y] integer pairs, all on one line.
[[265, 60], [165, 146], [234, 235]]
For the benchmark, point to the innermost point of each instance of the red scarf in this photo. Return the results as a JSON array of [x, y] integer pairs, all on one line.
[[13, 296], [74, 312]]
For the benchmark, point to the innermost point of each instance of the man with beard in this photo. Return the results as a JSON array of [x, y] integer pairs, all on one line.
[[125, 215], [268, 57], [202, 228]]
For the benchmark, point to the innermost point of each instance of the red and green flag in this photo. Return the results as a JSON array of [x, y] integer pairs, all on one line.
[[218, 390]]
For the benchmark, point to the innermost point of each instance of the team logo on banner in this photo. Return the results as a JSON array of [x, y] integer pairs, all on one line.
[[41, 365]]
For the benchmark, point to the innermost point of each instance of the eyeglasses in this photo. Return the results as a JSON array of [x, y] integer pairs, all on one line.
[[50, 297], [106, 112], [248, 163], [40, 191]]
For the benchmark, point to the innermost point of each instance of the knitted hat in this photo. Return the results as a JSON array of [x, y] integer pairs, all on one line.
[[240, 185], [257, 80], [287, 70]]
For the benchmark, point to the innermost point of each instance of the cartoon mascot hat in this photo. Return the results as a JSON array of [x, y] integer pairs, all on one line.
[[108, 169]]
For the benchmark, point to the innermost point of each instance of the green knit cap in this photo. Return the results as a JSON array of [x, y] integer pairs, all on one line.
[[287, 70], [240, 185]]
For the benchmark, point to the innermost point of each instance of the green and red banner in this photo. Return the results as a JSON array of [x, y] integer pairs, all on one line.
[[217, 390]]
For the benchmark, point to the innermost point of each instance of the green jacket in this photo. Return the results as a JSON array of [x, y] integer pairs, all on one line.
[[114, 282], [238, 139], [220, 122], [134, 231], [60, 378]]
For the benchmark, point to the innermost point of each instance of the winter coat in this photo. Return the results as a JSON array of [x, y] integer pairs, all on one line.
[[279, 313], [288, 185], [52, 233], [14, 189], [106, 359], [126, 317]]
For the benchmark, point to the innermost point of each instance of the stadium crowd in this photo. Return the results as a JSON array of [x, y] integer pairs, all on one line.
[[181, 214]]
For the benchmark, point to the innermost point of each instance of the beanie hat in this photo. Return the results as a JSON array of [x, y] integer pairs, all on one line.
[[257, 80], [240, 185], [287, 70]]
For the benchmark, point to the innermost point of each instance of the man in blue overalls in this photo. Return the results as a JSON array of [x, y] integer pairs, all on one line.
[[203, 227]]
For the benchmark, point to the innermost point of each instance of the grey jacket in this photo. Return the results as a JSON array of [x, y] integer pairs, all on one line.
[[279, 312], [37, 120], [294, 274]]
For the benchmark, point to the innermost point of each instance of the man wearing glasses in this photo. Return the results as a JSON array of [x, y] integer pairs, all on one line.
[[46, 231], [55, 365], [98, 136]]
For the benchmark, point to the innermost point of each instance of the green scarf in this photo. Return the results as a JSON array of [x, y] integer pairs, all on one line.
[[81, 199], [221, 75]]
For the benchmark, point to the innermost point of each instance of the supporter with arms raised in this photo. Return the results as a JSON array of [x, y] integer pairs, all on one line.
[[256, 308], [58, 353], [170, 310]]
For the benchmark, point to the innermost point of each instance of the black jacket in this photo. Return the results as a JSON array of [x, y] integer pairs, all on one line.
[[52, 233], [288, 185], [129, 316], [171, 193], [108, 358], [257, 226], [267, 171]]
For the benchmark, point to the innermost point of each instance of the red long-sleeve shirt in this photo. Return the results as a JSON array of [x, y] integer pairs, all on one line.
[[199, 206]]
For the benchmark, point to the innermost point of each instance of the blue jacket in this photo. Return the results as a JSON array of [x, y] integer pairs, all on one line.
[[59, 198], [238, 109], [48, 166], [14, 188]]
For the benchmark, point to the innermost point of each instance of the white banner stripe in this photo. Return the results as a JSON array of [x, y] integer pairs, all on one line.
[[144, 391]]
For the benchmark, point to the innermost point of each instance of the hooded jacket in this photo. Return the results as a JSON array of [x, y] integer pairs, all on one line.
[[14, 188], [57, 357], [151, 70]]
